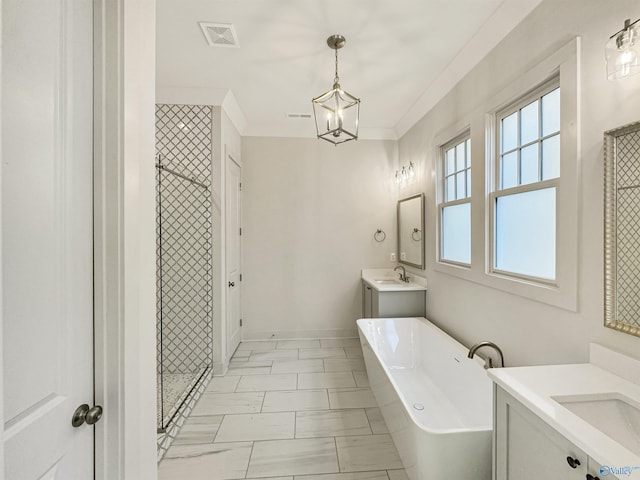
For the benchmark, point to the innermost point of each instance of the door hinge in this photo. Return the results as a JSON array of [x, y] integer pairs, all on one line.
[[240, 231], [240, 186], [240, 322], [240, 277]]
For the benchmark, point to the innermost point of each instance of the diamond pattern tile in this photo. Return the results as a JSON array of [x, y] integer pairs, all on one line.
[[628, 256], [627, 171], [183, 240]]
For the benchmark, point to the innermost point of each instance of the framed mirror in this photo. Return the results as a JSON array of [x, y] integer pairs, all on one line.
[[622, 229], [411, 231]]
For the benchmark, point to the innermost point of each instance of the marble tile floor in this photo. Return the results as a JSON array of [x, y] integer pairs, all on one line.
[[287, 410]]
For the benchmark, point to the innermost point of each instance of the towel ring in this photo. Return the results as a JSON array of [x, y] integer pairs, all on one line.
[[379, 236], [419, 234]]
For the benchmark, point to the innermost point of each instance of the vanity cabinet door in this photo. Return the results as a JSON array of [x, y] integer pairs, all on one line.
[[526, 448], [375, 304], [367, 300]]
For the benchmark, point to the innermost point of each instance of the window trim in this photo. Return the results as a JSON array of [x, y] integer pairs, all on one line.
[[480, 119], [441, 195]]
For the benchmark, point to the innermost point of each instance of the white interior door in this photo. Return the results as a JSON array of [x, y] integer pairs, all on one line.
[[47, 238], [233, 253]]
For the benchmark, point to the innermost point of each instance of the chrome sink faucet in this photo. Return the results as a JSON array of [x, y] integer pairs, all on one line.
[[488, 363], [403, 275]]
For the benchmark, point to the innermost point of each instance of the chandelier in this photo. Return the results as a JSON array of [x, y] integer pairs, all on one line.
[[336, 112]]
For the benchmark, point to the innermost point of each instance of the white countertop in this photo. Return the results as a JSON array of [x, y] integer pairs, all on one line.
[[370, 275], [535, 386]]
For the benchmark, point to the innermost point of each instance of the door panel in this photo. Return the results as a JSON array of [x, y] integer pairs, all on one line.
[[233, 255], [47, 236]]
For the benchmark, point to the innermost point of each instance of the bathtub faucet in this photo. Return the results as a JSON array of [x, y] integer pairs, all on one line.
[[488, 363], [403, 275]]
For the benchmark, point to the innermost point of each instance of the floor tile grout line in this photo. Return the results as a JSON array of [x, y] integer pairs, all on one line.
[[218, 430], [264, 395], [249, 462], [369, 420], [295, 425], [335, 444]]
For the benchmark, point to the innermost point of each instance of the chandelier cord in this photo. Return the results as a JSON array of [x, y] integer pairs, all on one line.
[[336, 79]]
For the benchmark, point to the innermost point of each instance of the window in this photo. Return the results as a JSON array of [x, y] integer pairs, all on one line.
[[526, 184], [525, 199], [455, 205]]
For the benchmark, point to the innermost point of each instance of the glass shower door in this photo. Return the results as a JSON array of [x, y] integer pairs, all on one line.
[[183, 287]]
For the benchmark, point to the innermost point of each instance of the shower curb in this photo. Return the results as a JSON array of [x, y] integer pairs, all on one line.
[[171, 432]]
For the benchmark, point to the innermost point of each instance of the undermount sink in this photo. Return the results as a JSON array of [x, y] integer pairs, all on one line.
[[613, 414], [386, 281]]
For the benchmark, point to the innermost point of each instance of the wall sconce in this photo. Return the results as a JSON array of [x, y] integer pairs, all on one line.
[[622, 51], [405, 174]]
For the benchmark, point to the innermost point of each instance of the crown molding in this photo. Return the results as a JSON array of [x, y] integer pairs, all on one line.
[[495, 29]]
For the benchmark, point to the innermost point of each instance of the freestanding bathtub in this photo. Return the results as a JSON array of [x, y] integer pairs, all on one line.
[[436, 402]]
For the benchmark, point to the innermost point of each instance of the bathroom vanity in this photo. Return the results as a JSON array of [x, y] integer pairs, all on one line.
[[385, 295], [528, 448], [568, 421]]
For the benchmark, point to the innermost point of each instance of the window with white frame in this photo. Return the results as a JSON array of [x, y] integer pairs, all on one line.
[[455, 201], [527, 176]]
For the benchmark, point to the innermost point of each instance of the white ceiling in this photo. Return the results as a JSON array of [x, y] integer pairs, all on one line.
[[400, 58]]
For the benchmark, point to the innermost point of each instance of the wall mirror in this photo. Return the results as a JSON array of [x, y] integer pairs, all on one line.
[[622, 229], [411, 231]]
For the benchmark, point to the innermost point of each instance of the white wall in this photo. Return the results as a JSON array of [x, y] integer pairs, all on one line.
[[310, 212], [530, 332]]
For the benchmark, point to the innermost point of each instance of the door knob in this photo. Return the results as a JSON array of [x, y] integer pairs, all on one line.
[[232, 284], [85, 414]]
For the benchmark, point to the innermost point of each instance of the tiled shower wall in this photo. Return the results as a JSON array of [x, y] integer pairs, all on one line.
[[183, 148], [628, 232]]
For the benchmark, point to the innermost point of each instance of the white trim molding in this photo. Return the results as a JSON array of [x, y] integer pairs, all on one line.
[[124, 239], [1, 259]]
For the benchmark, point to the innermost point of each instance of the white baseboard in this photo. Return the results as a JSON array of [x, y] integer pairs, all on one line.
[[220, 368], [249, 334]]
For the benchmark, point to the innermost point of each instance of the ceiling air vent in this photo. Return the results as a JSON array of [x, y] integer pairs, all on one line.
[[220, 34], [298, 115]]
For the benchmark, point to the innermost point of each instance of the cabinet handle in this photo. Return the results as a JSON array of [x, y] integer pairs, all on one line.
[[232, 284], [573, 462], [591, 477]]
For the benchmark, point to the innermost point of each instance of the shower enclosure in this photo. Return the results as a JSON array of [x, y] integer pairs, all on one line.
[[183, 247]]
